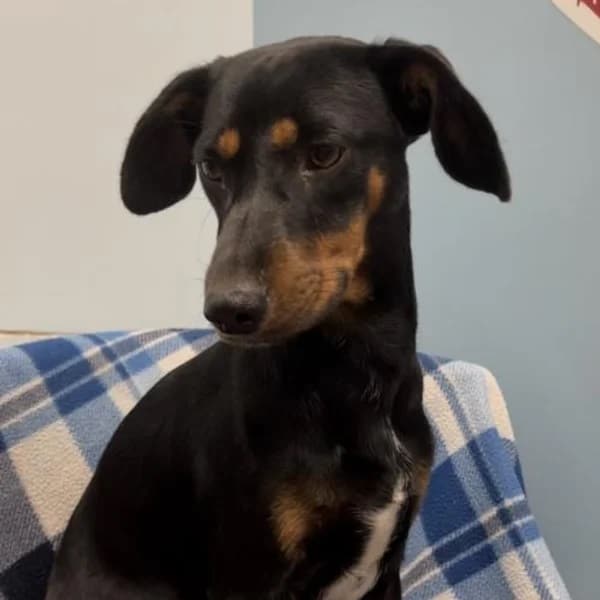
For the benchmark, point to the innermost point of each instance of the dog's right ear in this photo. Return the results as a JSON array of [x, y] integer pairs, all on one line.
[[425, 94], [157, 170]]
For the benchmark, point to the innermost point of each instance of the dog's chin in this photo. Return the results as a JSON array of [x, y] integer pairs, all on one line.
[[245, 341], [267, 338], [277, 337], [259, 340]]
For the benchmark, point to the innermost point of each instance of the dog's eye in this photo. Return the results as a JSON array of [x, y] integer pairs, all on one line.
[[324, 156], [211, 170]]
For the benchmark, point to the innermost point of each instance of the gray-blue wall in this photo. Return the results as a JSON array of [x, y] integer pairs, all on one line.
[[517, 287]]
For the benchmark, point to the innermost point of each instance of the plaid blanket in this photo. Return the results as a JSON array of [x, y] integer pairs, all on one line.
[[61, 399]]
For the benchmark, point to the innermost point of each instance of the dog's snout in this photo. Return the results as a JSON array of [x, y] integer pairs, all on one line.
[[238, 312]]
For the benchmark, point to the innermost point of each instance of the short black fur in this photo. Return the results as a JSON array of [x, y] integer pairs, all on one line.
[[247, 472]]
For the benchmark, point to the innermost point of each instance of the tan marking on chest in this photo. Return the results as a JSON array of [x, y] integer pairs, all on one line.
[[420, 482], [228, 144], [359, 578], [284, 133], [299, 510]]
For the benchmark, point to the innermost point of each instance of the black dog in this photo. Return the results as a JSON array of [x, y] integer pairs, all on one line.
[[288, 462]]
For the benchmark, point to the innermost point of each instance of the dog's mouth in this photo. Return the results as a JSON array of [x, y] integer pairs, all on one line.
[[250, 340], [290, 316]]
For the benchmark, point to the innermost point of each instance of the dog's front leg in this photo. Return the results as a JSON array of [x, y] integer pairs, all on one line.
[[388, 586]]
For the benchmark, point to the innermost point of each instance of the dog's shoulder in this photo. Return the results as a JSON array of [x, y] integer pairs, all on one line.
[[176, 418], [208, 369], [196, 381], [191, 396]]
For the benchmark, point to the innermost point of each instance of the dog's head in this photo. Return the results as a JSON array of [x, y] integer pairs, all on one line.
[[300, 148]]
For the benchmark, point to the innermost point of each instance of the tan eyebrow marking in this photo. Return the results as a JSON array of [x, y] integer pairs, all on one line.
[[284, 132], [228, 143]]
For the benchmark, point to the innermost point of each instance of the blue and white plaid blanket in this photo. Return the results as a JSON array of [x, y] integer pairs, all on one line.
[[61, 399]]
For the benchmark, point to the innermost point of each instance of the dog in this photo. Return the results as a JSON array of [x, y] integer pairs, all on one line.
[[288, 460]]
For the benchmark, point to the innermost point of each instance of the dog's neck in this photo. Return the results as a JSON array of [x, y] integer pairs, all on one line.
[[368, 348], [382, 331]]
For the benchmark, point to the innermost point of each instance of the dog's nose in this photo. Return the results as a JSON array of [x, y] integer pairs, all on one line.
[[236, 312]]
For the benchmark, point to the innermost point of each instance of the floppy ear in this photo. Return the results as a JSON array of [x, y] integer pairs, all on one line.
[[157, 170], [426, 95]]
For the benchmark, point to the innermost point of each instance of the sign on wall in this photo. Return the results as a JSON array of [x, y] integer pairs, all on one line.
[[584, 13]]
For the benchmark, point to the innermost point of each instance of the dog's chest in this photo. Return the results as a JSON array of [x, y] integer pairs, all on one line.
[[343, 514], [361, 576]]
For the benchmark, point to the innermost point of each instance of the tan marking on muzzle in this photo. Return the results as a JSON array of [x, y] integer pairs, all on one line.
[[305, 276], [358, 290], [284, 133], [375, 189], [228, 143]]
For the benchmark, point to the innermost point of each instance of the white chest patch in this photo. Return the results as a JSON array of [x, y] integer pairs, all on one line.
[[362, 576]]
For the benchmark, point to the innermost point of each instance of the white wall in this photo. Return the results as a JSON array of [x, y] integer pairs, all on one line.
[[75, 77]]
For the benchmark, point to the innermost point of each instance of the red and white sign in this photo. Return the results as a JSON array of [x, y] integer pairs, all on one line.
[[584, 13]]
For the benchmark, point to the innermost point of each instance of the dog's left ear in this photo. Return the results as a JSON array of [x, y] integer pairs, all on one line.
[[426, 95], [157, 169]]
